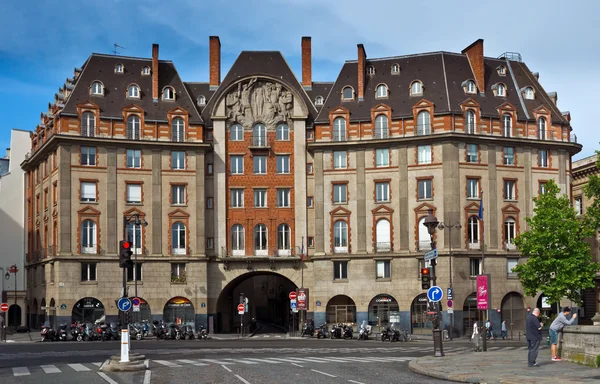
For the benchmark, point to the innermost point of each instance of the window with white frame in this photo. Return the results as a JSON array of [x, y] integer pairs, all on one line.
[[542, 187], [541, 128], [178, 194], [340, 159], [423, 123], [529, 93], [237, 164], [470, 120], [416, 88], [383, 236], [424, 236], [384, 270], [283, 198], [472, 153], [97, 88], [178, 238], [382, 192], [382, 91], [340, 194], [178, 130], [340, 237], [88, 271], [381, 127], [134, 237], [119, 68], [370, 70], [201, 101], [339, 129], [472, 188], [509, 156], [134, 193], [237, 198], [178, 272], [146, 70], [283, 163], [510, 192], [88, 124], [475, 266], [424, 187], [260, 198], [133, 127], [88, 236], [88, 191], [382, 157], [578, 202], [260, 165], [543, 158], [501, 70], [395, 69], [88, 156], [473, 230], [283, 238], [501, 90], [511, 263], [237, 239], [134, 272], [319, 100], [506, 125], [347, 93], [134, 158], [282, 132], [259, 135], [340, 270], [260, 239], [133, 91], [424, 154], [168, 93], [236, 133], [310, 201], [470, 86], [177, 160], [510, 232]]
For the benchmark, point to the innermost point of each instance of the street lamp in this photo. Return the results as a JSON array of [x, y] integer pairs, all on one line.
[[431, 222], [441, 227], [13, 269]]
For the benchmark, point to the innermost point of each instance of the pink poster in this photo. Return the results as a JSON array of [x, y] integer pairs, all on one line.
[[482, 292]]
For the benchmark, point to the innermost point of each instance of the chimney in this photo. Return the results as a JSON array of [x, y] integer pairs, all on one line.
[[536, 75], [7, 153], [306, 63], [554, 97], [362, 57], [474, 53], [214, 62], [155, 72]]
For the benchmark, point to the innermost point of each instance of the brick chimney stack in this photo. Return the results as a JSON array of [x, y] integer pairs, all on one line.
[[474, 53], [362, 58], [306, 63], [155, 72], [214, 62]]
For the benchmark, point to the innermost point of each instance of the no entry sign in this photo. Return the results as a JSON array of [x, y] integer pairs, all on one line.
[[293, 295], [241, 309], [4, 307]]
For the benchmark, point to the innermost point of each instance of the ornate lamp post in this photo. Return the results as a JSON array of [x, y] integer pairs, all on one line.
[[441, 227], [431, 222], [13, 269]]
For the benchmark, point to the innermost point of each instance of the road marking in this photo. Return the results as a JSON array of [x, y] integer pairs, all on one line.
[[20, 371], [192, 362], [226, 368], [50, 368], [97, 364], [355, 382], [298, 365], [323, 373], [270, 361], [242, 379], [167, 363], [217, 361], [331, 359], [312, 360], [243, 361], [147, 376], [147, 363], [78, 367], [105, 377]]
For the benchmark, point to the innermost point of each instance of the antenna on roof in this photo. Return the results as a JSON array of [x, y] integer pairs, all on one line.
[[115, 48]]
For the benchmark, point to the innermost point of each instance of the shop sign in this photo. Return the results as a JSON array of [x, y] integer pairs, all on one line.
[[179, 302], [384, 299]]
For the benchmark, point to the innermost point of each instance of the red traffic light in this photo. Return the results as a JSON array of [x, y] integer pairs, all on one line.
[[425, 271], [126, 244]]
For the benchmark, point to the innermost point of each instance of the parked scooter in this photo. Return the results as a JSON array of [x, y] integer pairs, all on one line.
[[187, 332], [90, 332], [48, 333], [136, 331], [321, 331], [364, 331], [347, 332], [394, 333], [62, 334], [308, 328], [202, 333], [337, 331], [77, 331], [161, 331], [386, 333]]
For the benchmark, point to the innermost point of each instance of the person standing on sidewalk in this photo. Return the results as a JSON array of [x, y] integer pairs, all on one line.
[[504, 333], [533, 329], [557, 326]]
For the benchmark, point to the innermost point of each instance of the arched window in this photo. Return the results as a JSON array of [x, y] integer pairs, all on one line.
[[470, 86], [501, 90], [424, 237], [340, 237], [88, 124], [347, 93], [178, 129], [119, 68], [423, 123], [395, 69], [529, 93], [382, 91], [506, 125], [237, 240], [133, 127], [236, 132], [283, 132], [510, 232], [283, 240], [381, 127], [319, 100], [542, 128], [88, 236], [370, 70], [168, 93], [134, 236], [470, 121], [133, 91], [416, 88], [178, 238], [97, 88], [339, 129], [473, 232], [382, 236], [145, 70], [260, 240], [259, 135], [201, 100]]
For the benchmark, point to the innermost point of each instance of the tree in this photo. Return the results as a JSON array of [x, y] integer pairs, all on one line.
[[559, 263], [592, 191]]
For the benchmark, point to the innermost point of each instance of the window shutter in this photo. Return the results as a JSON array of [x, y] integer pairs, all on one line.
[[134, 193], [88, 191]]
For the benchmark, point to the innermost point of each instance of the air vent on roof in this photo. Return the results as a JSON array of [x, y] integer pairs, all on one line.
[[512, 56]]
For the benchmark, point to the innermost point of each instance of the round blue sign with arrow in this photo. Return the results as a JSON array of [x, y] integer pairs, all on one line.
[[435, 294], [124, 304]]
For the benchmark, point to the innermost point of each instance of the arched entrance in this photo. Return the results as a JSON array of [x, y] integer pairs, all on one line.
[[143, 314], [87, 310], [42, 318], [420, 322], [470, 313], [52, 313], [14, 315], [383, 310], [341, 309], [513, 312], [34, 322], [180, 310], [268, 302]]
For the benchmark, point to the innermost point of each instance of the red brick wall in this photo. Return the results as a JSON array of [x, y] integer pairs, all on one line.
[[474, 53], [214, 61], [306, 62]]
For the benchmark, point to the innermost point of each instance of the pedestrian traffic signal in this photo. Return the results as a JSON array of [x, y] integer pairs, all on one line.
[[425, 278], [125, 254]]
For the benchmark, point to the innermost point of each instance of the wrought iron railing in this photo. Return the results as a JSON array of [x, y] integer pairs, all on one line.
[[259, 140], [339, 136], [423, 129], [383, 247], [381, 133]]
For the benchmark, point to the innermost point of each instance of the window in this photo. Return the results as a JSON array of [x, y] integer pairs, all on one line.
[[382, 91], [283, 164], [178, 238], [237, 239], [340, 160], [134, 193], [475, 266], [510, 232], [310, 169], [542, 128], [370, 70], [209, 203], [134, 273], [236, 132], [510, 266], [529, 93], [510, 192], [382, 192], [237, 165], [310, 242], [470, 86], [472, 153], [168, 93], [237, 198], [283, 237], [424, 154], [423, 123], [506, 125], [416, 88], [88, 271], [347, 93], [339, 193], [509, 156], [395, 69], [260, 239], [501, 90], [340, 236], [381, 127], [501, 70], [97, 88], [133, 91], [54, 193], [340, 270], [201, 100], [260, 198], [470, 120], [310, 201], [259, 135], [383, 236], [319, 100], [119, 68], [283, 198], [209, 169], [178, 130], [88, 191], [425, 189], [472, 188], [383, 269], [260, 165], [473, 231], [382, 157], [578, 205], [134, 158], [133, 127], [178, 274], [134, 236], [146, 70], [208, 135], [88, 156], [339, 129], [282, 132], [88, 124], [543, 158], [88, 236], [177, 160], [178, 194], [542, 187]]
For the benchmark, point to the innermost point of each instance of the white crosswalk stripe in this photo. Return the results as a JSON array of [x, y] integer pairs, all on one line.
[[21, 371], [220, 362], [192, 362], [269, 361], [78, 367], [50, 369], [242, 361], [167, 363]]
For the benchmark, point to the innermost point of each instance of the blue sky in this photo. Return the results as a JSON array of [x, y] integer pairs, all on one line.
[[43, 40]]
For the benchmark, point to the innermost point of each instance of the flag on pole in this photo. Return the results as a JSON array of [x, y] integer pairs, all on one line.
[[302, 250], [481, 209]]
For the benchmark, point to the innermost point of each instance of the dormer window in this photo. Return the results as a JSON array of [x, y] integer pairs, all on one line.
[[529, 95], [370, 70], [145, 70], [133, 91], [97, 88], [347, 93], [395, 69], [119, 68], [501, 70], [469, 86], [319, 100], [416, 88], [499, 89], [168, 93], [382, 91], [201, 100]]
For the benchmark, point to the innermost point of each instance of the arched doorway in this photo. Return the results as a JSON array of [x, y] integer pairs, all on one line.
[[34, 322], [14, 315], [420, 322], [52, 313], [42, 318], [180, 310], [143, 314], [383, 310], [513, 312], [87, 310], [268, 302], [470, 313], [341, 309]]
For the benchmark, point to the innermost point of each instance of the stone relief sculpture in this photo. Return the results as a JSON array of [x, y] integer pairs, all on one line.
[[259, 101]]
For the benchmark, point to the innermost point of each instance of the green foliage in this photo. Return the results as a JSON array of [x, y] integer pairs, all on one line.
[[592, 191], [554, 245]]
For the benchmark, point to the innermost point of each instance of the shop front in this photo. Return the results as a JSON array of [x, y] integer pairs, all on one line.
[[383, 310], [180, 311], [86, 310], [420, 321]]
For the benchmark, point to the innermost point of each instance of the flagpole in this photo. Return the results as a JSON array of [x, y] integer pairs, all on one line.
[[302, 264], [482, 236]]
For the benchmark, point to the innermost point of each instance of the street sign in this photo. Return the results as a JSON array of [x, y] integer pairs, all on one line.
[[435, 294], [293, 295], [136, 309], [450, 294], [431, 255], [246, 301], [241, 308], [449, 303], [135, 301], [124, 304], [4, 307], [293, 304], [302, 299], [450, 310]]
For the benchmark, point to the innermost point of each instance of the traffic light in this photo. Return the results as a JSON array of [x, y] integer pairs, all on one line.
[[125, 254], [425, 278]]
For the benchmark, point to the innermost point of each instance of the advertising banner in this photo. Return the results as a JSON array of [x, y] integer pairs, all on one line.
[[302, 299], [483, 292]]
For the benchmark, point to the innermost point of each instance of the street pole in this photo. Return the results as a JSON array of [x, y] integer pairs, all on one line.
[[450, 264], [431, 222]]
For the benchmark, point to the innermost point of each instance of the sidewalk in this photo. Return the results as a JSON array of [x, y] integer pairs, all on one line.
[[22, 337], [504, 366]]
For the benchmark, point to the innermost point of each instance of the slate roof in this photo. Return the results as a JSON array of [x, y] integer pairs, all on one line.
[[319, 89], [101, 67], [196, 90]]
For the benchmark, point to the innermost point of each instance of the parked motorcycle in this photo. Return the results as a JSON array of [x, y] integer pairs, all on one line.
[[77, 331], [90, 332], [347, 332], [202, 333], [337, 331], [187, 332], [308, 328], [386, 333], [62, 334], [393, 333], [161, 331], [364, 331], [48, 333], [321, 331], [136, 331]]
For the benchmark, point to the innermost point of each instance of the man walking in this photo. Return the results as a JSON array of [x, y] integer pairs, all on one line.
[[557, 326], [503, 334], [534, 335]]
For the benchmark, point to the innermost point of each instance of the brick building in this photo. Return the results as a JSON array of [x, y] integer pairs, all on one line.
[[237, 176]]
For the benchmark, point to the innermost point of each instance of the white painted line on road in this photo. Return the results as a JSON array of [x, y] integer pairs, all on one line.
[[332, 359], [298, 365], [242, 361], [147, 363], [97, 364], [242, 379], [50, 368], [270, 361], [20, 371], [355, 382], [192, 362], [106, 378], [323, 373], [217, 361], [226, 368], [312, 360], [78, 367], [284, 360], [167, 363], [147, 376]]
